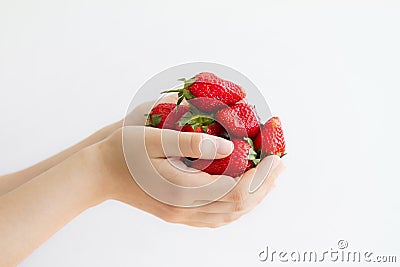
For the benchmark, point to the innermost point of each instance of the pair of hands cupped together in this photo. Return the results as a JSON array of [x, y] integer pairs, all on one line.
[[147, 172]]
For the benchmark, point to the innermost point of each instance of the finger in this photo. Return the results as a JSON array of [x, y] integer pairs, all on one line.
[[185, 188], [268, 184], [169, 98], [202, 224], [242, 190], [137, 116], [250, 202], [225, 207], [172, 98], [152, 179], [254, 198], [213, 219], [200, 219], [175, 171], [262, 171], [170, 143]]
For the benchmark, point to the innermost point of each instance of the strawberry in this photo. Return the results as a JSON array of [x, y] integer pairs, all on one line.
[[239, 161], [270, 140], [208, 92], [239, 120], [166, 115], [212, 129], [196, 121]]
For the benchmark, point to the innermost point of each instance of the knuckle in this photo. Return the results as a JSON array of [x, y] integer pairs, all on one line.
[[195, 140]]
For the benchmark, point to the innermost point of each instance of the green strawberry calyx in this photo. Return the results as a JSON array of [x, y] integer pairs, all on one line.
[[196, 119], [183, 93], [153, 119], [253, 156]]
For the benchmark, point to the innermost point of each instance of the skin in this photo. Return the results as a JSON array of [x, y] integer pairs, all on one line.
[[36, 202], [11, 181]]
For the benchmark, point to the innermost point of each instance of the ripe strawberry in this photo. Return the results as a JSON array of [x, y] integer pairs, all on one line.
[[166, 115], [270, 140], [213, 129], [196, 121], [239, 120], [238, 162], [208, 92]]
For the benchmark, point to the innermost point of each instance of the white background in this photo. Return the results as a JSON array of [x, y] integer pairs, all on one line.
[[329, 69]]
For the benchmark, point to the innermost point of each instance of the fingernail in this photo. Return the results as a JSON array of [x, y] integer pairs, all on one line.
[[207, 148], [224, 147]]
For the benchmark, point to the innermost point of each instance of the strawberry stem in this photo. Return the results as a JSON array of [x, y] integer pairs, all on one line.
[[183, 93]]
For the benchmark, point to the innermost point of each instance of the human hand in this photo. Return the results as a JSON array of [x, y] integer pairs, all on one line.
[[154, 158]]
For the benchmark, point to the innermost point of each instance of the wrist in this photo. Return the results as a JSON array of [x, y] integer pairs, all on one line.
[[90, 175], [108, 167]]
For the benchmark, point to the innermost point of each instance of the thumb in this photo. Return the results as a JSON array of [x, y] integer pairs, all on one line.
[[170, 143]]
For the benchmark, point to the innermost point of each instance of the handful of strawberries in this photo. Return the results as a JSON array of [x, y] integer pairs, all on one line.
[[217, 107]]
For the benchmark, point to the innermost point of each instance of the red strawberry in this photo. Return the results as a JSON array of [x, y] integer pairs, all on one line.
[[239, 120], [234, 165], [213, 129], [166, 115], [196, 121], [208, 92], [270, 140]]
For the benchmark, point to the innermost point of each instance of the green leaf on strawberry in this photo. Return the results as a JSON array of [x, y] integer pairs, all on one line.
[[155, 119], [253, 156]]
